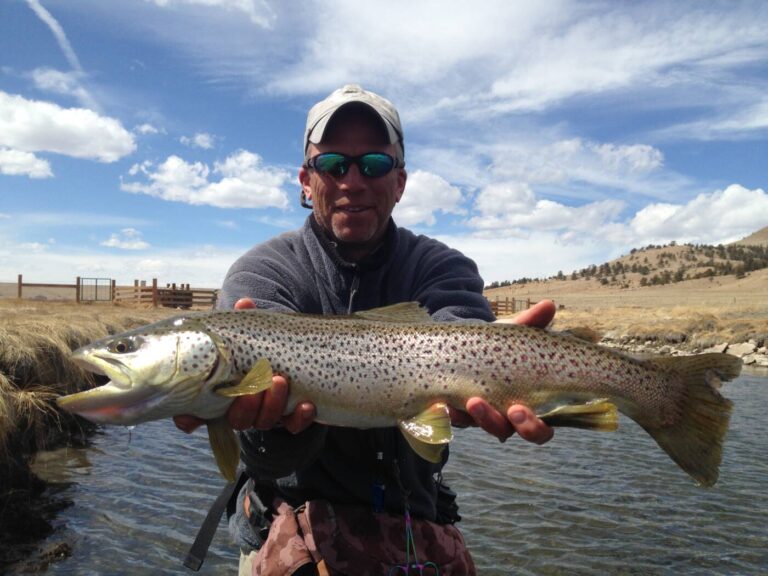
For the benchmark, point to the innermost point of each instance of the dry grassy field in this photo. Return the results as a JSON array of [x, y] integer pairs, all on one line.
[[724, 309]]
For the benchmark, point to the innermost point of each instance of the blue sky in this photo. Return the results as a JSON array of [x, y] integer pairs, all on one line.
[[161, 138]]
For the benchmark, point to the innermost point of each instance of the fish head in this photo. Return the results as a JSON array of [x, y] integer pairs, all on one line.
[[153, 371]]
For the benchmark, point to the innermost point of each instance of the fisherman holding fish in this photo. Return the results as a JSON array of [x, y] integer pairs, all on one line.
[[364, 344], [350, 256]]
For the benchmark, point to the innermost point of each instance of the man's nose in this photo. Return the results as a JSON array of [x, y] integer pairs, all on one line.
[[353, 180]]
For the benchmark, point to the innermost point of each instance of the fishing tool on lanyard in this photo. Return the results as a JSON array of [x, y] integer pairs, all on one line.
[[407, 568]]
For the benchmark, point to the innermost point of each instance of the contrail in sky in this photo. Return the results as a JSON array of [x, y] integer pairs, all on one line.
[[58, 32]]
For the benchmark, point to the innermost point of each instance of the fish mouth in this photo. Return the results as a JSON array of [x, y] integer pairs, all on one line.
[[117, 401], [107, 366]]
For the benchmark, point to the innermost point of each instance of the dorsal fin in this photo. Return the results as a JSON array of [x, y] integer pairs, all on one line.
[[404, 312]]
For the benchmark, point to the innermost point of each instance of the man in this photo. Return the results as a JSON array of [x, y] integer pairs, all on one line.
[[350, 256]]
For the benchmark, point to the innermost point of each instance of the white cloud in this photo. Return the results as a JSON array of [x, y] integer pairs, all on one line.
[[259, 12], [425, 194], [538, 255], [574, 160], [529, 57], [738, 121], [36, 126], [506, 210], [16, 163], [66, 83], [719, 216], [201, 267], [199, 140], [145, 129], [554, 237], [244, 182], [513, 197], [126, 239]]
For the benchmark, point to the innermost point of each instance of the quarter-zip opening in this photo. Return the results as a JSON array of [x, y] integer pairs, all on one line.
[[353, 290]]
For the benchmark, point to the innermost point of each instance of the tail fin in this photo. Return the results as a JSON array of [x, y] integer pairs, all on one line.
[[695, 440]]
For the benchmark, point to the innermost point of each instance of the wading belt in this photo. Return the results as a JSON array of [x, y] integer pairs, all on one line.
[[196, 555]]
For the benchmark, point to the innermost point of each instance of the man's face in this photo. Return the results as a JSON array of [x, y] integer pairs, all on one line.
[[353, 208]]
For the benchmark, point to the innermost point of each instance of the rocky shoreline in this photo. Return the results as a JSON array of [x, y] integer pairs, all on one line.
[[753, 352]]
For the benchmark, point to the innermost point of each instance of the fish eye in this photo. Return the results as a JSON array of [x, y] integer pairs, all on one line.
[[124, 345]]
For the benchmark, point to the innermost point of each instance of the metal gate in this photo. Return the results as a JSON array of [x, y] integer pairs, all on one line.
[[95, 290]]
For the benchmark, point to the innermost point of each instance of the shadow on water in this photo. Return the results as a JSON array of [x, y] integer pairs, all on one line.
[[138, 498], [27, 518]]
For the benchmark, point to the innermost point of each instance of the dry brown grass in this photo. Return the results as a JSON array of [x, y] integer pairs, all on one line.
[[36, 338], [726, 309]]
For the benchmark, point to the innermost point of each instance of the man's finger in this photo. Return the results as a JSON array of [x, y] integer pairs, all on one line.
[[245, 304], [538, 315], [489, 419], [301, 418], [273, 404], [528, 426], [460, 418], [187, 423], [243, 411]]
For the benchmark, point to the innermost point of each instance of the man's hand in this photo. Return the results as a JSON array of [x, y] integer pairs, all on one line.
[[262, 411], [518, 418]]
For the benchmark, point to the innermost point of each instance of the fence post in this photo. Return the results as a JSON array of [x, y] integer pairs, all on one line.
[[154, 292], [19, 288], [77, 290], [113, 290]]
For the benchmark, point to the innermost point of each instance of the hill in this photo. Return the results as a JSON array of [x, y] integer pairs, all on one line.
[[672, 263], [759, 238], [696, 294]]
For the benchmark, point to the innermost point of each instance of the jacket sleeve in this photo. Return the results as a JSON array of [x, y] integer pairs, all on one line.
[[448, 284], [263, 275]]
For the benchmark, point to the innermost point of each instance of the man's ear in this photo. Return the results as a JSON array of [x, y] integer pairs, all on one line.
[[402, 177], [304, 176]]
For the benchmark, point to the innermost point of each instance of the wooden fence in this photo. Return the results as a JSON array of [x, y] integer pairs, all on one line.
[[172, 296], [76, 287], [502, 307]]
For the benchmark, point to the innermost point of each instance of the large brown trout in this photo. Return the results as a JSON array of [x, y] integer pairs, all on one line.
[[394, 366]]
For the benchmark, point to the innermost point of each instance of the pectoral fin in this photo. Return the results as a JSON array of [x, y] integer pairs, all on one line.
[[258, 379], [599, 415], [226, 448], [429, 432]]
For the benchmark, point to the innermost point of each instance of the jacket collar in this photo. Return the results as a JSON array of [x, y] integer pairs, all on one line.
[[374, 260]]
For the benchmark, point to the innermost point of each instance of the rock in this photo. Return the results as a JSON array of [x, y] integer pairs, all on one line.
[[665, 350], [675, 337], [717, 348], [741, 350], [749, 359]]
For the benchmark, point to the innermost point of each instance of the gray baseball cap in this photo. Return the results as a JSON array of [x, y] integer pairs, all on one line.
[[322, 112]]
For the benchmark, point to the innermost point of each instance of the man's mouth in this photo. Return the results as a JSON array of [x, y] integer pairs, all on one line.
[[352, 209]]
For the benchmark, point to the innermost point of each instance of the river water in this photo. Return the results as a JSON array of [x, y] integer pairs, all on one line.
[[586, 503]]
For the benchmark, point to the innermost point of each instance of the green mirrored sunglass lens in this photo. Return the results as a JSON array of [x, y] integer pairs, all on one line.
[[375, 164], [332, 163]]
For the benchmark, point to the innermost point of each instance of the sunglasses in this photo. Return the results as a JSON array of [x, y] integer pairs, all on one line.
[[372, 164]]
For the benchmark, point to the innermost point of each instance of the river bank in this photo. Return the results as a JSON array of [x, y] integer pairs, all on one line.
[[36, 338]]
